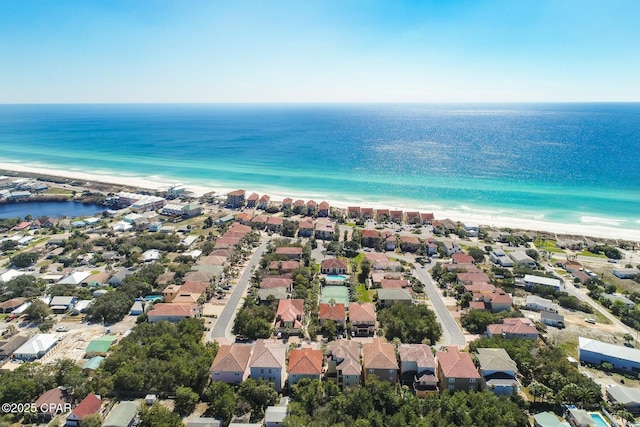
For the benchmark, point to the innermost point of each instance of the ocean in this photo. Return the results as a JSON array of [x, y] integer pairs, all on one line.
[[564, 163]]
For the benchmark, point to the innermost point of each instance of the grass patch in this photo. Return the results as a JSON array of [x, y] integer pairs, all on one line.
[[548, 245], [58, 190], [363, 293], [358, 259], [591, 254], [570, 347]]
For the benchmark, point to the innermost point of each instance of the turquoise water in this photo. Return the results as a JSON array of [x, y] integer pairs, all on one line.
[[567, 163], [336, 278], [599, 420]]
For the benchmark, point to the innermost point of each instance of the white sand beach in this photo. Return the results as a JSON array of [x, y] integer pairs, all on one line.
[[592, 226]]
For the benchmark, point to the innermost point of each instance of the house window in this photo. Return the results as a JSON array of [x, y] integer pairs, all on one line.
[[391, 371], [217, 374], [472, 381], [371, 371], [262, 371], [452, 388], [269, 370], [237, 374], [472, 388], [452, 380]]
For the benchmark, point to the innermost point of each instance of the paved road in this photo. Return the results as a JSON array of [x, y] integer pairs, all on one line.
[[451, 331], [224, 322]]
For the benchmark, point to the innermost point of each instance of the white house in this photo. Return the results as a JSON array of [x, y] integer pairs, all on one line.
[[530, 281], [36, 347], [537, 303]]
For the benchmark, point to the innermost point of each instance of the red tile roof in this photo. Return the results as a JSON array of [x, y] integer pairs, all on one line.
[[336, 312], [513, 326], [393, 283], [333, 263], [236, 193], [289, 250], [275, 220], [462, 259], [362, 312], [284, 265], [276, 282], [323, 206], [290, 309], [305, 361], [379, 355], [232, 358], [173, 310], [370, 234], [456, 364], [410, 239], [195, 287], [253, 197]]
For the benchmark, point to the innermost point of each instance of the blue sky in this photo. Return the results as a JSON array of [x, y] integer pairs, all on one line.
[[319, 51]]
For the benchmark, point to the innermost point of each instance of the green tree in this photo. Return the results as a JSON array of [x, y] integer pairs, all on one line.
[[257, 395], [38, 311], [186, 400], [24, 259], [92, 420], [410, 323], [476, 321], [158, 416], [222, 401], [477, 254], [110, 307]]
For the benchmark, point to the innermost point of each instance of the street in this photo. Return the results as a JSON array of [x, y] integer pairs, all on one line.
[[224, 322]]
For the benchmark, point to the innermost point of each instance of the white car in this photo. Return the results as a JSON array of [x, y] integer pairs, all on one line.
[[62, 329]]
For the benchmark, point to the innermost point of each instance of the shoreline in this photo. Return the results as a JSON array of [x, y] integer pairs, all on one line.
[[490, 219]]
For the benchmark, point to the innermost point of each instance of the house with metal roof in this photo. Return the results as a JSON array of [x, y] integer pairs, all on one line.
[[92, 364], [90, 405], [627, 397], [100, 346], [389, 297], [597, 352], [74, 278], [548, 419], [36, 347], [530, 281], [121, 415]]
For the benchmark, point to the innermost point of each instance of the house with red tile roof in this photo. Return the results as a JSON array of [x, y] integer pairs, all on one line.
[[391, 242], [312, 207], [462, 259], [283, 267], [371, 238], [231, 363], [291, 252], [333, 312], [298, 206], [252, 200], [277, 282], [227, 242], [396, 216], [243, 217], [274, 223], [473, 277], [171, 312], [513, 327], [367, 213], [363, 318], [379, 359], [88, 406], [235, 199], [353, 212], [382, 215], [24, 225], [418, 368], [343, 363], [269, 361], [287, 203], [304, 363], [239, 228], [409, 243], [333, 266], [263, 202], [289, 315], [427, 218], [259, 221], [305, 229], [394, 283], [324, 229], [456, 371], [323, 209], [413, 217]]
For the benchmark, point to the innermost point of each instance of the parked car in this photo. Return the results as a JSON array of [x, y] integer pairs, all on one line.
[[62, 329]]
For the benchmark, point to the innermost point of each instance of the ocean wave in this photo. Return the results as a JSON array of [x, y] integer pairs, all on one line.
[[601, 220]]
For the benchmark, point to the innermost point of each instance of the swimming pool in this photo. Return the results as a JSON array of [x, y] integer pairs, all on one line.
[[599, 419], [334, 278]]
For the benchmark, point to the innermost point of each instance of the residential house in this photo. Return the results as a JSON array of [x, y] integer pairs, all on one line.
[[323, 209], [286, 203], [88, 406], [409, 244], [522, 258], [456, 371], [515, 327], [548, 419], [333, 266], [172, 312], [274, 416], [362, 317], [597, 352], [582, 277], [500, 257], [620, 299], [396, 216], [235, 199], [268, 361], [536, 303], [379, 359], [122, 414], [388, 297], [100, 346], [204, 422], [418, 368], [371, 238], [324, 229], [552, 319], [305, 229], [390, 242], [36, 347], [427, 218], [274, 224], [334, 313], [298, 206], [283, 267], [498, 371], [231, 363], [353, 212], [530, 281], [343, 362], [382, 215], [367, 213], [304, 363], [289, 316], [580, 418], [394, 283], [170, 292], [277, 282], [625, 273], [462, 259], [626, 397], [263, 203], [312, 207], [452, 248], [51, 403], [413, 217], [276, 293], [291, 252]]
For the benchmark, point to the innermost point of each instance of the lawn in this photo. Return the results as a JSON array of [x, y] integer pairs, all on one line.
[[587, 253], [548, 245], [58, 190], [363, 294]]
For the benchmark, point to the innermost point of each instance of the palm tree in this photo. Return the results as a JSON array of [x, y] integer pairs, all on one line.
[[538, 390], [628, 338]]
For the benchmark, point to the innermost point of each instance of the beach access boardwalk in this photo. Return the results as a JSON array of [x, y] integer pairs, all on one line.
[[224, 322], [452, 333]]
